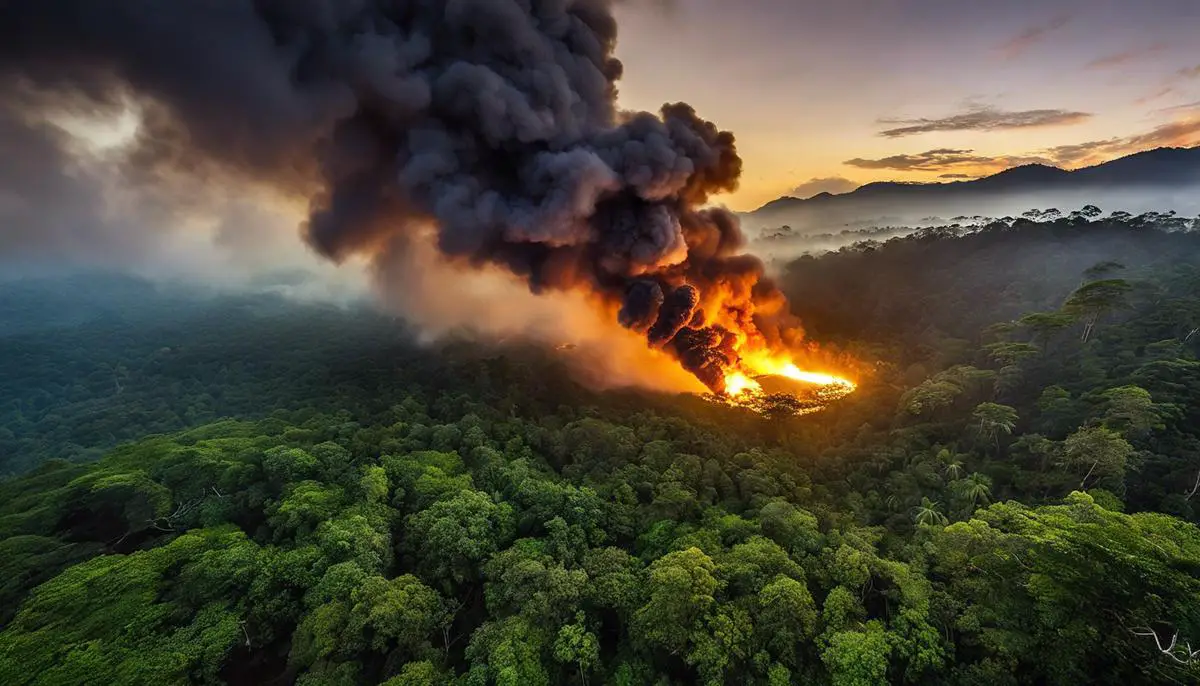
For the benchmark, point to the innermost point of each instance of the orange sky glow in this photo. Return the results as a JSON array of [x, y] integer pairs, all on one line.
[[824, 96]]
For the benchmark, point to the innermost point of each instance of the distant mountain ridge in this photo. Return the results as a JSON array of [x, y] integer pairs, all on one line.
[[1159, 168]]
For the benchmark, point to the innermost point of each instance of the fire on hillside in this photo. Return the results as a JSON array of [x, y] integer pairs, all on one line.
[[779, 387]]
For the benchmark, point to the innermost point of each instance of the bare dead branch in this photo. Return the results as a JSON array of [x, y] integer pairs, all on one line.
[[1195, 487], [167, 523], [1089, 473], [1182, 655]]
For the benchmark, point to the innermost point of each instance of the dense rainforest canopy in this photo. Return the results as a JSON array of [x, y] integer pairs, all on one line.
[[250, 490]]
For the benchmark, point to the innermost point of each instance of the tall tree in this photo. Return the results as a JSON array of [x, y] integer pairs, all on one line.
[[1093, 300], [1098, 452], [1131, 410], [994, 419]]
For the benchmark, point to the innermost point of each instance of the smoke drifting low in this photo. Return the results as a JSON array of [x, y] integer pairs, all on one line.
[[492, 121], [71, 198], [443, 298]]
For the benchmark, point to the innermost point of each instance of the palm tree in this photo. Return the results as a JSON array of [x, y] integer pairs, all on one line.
[[954, 469], [928, 513], [977, 488], [950, 463]]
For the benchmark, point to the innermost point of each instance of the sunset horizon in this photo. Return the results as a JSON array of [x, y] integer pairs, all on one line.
[[942, 91]]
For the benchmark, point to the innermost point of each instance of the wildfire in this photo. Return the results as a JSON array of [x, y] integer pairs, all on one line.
[[740, 382], [737, 383], [768, 384]]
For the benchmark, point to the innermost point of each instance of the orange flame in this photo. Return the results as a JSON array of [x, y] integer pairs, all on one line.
[[742, 381], [737, 383]]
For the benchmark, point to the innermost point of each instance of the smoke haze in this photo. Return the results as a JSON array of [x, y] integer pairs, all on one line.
[[443, 299], [71, 198]]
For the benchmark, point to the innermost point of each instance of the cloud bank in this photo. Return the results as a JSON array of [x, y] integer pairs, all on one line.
[[985, 119], [835, 185], [1119, 59], [1183, 131], [942, 160]]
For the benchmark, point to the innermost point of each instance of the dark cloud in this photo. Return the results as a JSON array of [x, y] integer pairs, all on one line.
[[1122, 58], [985, 119], [833, 184], [955, 163], [1190, 72], [492, 121], [1183, 132], [942, 160], [665, 6], [1068, 155], [956, 176], [932, 160], [1030, 37]]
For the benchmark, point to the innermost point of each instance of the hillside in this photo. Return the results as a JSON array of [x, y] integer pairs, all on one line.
[[1147, 180]]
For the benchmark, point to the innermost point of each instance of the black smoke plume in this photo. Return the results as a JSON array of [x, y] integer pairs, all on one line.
[[493, 120]]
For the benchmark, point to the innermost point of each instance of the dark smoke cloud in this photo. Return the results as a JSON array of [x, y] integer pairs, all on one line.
[[707, 352], [494, 120], [639, 311], [678, 310]]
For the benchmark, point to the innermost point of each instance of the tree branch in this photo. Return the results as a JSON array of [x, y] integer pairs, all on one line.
[[1195, 487], [1183, 655], [1089, 473]]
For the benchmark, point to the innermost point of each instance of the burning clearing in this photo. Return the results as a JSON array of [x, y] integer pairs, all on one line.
[[782, 388]]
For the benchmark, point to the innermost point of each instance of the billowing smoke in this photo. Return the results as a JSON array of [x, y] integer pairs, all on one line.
[[494, 121]]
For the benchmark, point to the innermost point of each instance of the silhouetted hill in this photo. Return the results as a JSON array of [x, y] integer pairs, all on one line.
[[1162, 169], [1018, 177], [1165, 166]]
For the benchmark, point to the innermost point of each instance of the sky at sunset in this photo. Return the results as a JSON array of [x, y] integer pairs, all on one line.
[[828, 94]]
